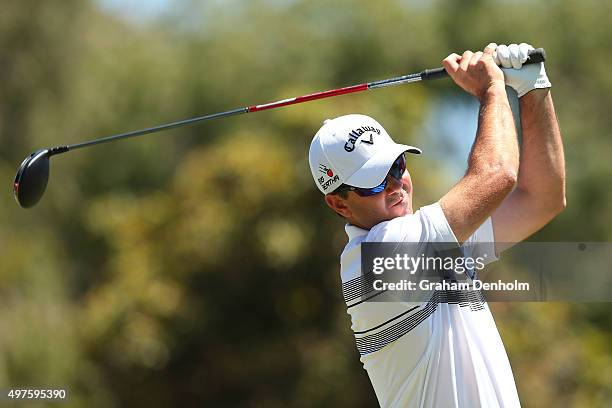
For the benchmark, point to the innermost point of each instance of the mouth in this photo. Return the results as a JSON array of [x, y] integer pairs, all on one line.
[[398, 200]]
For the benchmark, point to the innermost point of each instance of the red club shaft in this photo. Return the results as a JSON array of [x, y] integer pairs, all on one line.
[[311, 97]]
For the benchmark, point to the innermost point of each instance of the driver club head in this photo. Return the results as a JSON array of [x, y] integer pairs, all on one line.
[[31, 178]]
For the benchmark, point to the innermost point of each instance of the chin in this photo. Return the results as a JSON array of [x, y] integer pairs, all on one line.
[[400, 210]]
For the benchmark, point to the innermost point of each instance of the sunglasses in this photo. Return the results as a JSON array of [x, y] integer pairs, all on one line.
[[396, 171]]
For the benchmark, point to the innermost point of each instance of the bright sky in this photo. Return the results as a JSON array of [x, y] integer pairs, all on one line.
[[450, 127], [136, 9]]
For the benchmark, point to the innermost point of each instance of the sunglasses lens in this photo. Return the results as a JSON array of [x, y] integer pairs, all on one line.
[[398, 168], [365, 192]]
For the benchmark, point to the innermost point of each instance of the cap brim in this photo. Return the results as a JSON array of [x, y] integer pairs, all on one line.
[[374, 171]]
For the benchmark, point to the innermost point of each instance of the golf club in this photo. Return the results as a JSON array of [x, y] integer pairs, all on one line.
[[33, 174]]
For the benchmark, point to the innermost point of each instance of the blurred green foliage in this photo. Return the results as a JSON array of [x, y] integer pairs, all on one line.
[[199, 267]]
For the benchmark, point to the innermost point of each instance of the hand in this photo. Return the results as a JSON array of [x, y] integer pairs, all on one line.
[[521, 78], [475, 72]]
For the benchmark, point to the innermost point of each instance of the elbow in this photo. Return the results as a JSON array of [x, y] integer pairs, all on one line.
[[554, 205], [509, 176], [496, 181], [505, 178], [554, 208], [493, 182], [560, 205], [558, 202]]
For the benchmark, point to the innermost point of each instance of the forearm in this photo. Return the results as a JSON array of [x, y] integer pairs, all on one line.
[[542, 168], [492, 168], [495, 147]]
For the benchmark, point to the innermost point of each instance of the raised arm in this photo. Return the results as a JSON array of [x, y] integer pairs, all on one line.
[[540, 192], [493, 162]]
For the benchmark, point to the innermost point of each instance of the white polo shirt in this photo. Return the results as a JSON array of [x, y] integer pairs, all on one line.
[[427, 354]]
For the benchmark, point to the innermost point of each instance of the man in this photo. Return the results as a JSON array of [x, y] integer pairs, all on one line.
[[438, 354]]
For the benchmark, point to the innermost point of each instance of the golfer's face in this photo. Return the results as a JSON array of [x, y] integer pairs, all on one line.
[[394, 201]]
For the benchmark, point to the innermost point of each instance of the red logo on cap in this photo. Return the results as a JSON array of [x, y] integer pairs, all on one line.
[[326, 170]]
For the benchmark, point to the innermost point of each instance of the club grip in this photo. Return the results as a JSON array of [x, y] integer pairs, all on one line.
[[435, 73], [533, 57]]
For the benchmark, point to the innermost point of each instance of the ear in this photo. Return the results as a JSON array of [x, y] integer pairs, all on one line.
[[338, 204]]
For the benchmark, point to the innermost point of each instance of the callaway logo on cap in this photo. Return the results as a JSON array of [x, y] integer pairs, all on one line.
[[354, 150]]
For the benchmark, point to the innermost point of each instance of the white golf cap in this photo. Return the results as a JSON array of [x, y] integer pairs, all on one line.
[[354, 150]]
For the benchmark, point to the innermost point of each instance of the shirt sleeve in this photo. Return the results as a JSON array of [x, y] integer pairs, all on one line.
[[482, 243]]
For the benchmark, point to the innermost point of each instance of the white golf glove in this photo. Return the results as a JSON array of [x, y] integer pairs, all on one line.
[[521, 78]]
